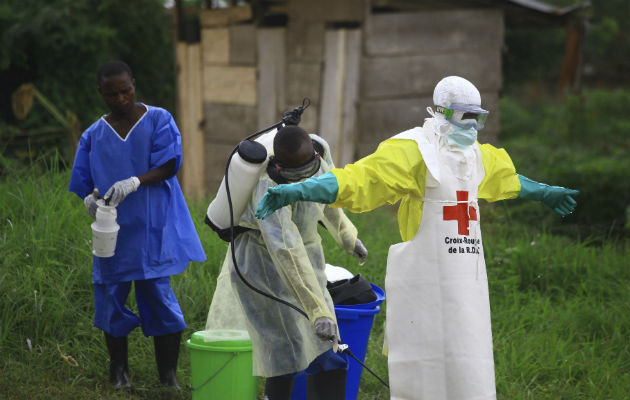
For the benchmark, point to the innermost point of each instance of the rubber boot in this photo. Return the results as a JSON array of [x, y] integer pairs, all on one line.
[[118, 367], [327, 385], [166, 354], [278, 388]]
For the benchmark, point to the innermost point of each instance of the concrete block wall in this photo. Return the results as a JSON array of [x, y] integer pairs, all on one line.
[[308, 22], [229, 85], [407, 53], [304, 57]]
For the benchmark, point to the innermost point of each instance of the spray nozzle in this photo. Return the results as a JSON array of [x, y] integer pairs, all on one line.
[[293, 117]]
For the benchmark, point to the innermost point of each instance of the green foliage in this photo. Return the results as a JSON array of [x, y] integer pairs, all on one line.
[[535, 55], [58, 45], [555, 315], [607, 44], [583, 144], [35, 239], [529, 52]]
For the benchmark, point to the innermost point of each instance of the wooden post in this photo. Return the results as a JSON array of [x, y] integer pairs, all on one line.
[[191, 118], [340, 92], [195, 143], [570, 72], [271, 75]]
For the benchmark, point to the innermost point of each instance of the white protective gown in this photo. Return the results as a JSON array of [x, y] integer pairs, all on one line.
[[438, 313], [282, 255]]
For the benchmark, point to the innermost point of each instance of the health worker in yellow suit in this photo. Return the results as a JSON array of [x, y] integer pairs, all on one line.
[[438, 333]]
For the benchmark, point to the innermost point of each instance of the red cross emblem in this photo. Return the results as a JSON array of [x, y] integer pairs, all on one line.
[[462, 213]]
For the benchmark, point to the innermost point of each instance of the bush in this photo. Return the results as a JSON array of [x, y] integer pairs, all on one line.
[[533, 55], [581, 144], [58, 46]]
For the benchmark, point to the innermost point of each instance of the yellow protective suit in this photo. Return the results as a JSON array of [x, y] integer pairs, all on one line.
[[396, 171], [438, 311]]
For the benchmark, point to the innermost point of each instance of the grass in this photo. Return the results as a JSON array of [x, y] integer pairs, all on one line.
[[559, 304], [559, 317]]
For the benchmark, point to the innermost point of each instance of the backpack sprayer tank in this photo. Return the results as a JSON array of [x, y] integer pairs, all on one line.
[[245, 168]]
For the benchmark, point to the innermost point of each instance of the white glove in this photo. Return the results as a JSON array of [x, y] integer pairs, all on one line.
[[121, 189], [90, 202], [326, 329], [360, 252]]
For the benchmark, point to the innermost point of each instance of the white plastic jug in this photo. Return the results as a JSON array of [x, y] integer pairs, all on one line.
[[104, 231]]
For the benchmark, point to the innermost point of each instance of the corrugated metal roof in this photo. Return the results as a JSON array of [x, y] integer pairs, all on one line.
[[530, 5], [549, 8]]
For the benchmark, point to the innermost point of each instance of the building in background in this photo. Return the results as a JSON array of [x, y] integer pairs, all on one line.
[[368, 67]]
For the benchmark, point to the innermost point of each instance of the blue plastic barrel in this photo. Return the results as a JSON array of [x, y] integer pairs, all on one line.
[[355, 323]]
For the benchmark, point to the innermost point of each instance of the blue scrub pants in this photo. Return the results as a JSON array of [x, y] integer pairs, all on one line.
[[159, 310], [327, 361]]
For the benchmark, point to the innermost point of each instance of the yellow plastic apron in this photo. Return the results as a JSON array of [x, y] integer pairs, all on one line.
[[438, 312]]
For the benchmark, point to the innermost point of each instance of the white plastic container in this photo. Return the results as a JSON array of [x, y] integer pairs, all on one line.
[[243, 176], [104, 231]]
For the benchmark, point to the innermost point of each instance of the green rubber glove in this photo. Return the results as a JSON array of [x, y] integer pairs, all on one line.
[[557, 198], [322, 189]]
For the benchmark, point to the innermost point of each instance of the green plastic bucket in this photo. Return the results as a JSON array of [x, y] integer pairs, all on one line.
[[221, 365]]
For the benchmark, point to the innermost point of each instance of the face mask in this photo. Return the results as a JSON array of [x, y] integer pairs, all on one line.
[[462, 137]]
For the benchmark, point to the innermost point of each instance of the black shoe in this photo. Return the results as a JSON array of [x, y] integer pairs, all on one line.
[[166, 354], [118, 367]]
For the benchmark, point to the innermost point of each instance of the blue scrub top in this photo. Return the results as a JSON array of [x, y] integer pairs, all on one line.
[[157, 236]]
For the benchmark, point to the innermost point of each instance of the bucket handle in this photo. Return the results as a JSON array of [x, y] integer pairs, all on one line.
[[215, 374]]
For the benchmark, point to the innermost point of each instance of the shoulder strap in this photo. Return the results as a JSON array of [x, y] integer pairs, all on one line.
[[224, 234]]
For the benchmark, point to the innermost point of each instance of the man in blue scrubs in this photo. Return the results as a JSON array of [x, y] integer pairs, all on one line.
[[132, 155]]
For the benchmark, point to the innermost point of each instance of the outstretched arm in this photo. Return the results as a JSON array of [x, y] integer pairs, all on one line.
[[559, 199], [383, 177], [322, 189]]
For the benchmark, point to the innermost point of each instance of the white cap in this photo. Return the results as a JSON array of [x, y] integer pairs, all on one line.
[[454, 89]]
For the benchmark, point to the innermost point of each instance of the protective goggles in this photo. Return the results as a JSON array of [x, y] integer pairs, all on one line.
[[465, 116], [302, 172]]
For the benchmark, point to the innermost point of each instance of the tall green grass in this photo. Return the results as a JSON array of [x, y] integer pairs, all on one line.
[[583, 143], [48, 346], [559, 314], [559, 304]]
